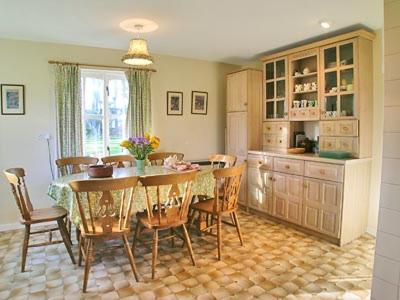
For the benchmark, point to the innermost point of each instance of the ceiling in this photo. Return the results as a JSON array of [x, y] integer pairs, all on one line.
[[232, 31]]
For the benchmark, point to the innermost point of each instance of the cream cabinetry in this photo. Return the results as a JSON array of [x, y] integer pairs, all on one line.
[[243, 120], [325, 196]]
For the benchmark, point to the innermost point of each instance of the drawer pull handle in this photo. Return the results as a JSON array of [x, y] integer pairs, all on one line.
[[322, 172], [269, 141], [287, 167], [260, 162], [329, 144], [269, 128], [345, 128], [305, 185], [271, 178]]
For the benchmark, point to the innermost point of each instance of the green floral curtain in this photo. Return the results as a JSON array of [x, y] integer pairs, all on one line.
[[139, 108], [69, 110]]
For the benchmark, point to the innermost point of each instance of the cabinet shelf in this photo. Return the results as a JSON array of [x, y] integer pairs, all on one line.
[[305, 75], [339, 93], [344, 67], [305, 92]]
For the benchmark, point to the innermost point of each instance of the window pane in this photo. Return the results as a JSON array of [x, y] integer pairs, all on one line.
[[93, 114], [117, 108]]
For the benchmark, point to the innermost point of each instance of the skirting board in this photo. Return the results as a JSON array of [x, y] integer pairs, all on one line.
[[372, 231]]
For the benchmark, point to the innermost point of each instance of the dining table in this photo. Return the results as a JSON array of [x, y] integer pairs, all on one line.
[[60, 191]]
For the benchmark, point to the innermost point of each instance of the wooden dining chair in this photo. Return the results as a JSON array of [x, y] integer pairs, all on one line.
[[222, 160], [29, 215], [100, 219], [119, 161], [157, 158], [226, 192], [73, 165], [173, 193]]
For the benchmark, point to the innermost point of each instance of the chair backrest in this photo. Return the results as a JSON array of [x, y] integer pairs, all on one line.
[[105, 205], [157, 159], [119, 161], [16, 178], [227, 187], [222, 160], [73, 165], [173, 193]]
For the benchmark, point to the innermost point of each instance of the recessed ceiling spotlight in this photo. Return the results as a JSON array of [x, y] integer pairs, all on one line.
[[325, 24]]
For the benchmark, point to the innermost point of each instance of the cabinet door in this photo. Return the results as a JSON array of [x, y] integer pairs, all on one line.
[[279, 196], [236, 140], [237, 92], [295, 198], [322, 206], [259, 189], [243, 186]]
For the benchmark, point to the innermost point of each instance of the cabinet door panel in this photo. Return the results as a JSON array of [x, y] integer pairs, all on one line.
[[311, 191], [295, 187], [294, 211], [330, 223], [237, 92], [311, 217], [279, 207], [331, 193], [242, 199], [237, 134], [255, 188], [280, 186]]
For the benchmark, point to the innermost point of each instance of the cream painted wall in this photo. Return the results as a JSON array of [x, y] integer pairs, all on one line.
[[377, 134], [25, 63]]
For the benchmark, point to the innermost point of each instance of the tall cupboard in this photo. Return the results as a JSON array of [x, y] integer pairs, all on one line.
[[243, 119]]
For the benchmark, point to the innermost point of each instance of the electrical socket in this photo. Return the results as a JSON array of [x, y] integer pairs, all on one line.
[[44, 136]]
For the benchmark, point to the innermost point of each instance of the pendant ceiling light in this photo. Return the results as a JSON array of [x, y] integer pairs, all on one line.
[[138, 53]]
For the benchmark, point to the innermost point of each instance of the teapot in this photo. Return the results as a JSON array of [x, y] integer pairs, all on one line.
[[170, 160]]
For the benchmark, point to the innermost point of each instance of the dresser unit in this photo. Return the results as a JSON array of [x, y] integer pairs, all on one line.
[[243, 120], [324, 197], [328, 80]]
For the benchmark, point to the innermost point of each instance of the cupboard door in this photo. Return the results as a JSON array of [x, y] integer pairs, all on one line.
[[242, 199], [255, 188], [237, 134], [295, 198], [279, 204], [237, 92]]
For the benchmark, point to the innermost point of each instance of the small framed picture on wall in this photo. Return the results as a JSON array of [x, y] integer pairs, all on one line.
[[12, 99], [199, 102], [174, 103]]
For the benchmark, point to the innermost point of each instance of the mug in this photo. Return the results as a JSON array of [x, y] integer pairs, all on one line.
[[296, 103], [311, 103], [307, 87], [334, 114], [303, 103]]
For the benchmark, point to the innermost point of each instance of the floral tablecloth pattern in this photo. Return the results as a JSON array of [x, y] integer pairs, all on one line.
[[60, 191]]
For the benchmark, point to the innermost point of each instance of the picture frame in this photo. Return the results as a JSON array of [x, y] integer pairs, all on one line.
[[199, 102], [12, 99], [174, 103]]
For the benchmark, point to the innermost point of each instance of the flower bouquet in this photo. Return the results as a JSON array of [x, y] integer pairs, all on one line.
[[140, 147]]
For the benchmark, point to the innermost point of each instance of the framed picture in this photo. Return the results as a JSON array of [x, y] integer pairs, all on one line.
[[175, 103], [12, 99], [199, 102]]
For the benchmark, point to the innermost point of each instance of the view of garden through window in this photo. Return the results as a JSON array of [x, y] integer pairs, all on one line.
[[105, 102]]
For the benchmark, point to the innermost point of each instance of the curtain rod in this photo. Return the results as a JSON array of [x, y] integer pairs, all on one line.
[[53, 62]]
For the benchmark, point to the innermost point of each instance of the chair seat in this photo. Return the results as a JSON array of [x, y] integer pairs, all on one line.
[[47, 214], [99, 229], [153, 222], [207, 206]]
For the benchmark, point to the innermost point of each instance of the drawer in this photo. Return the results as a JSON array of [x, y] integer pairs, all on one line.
[[324, 171], [349, 144], [269, 127], [254, 160], [298, 114], [327, 143], [313, 114], [327, 128], [281, 141], [291, 166], [347, 128], [269, 140]]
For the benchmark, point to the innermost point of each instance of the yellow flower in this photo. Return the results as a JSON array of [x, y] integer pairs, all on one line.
[[125, 144], [154, 142], [147, 136]]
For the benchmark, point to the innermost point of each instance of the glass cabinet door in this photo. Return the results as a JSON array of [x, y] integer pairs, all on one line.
[[339, 81], [269, 71], [275, 89]]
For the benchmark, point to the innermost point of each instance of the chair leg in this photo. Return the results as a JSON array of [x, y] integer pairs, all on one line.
[[89, 255], [135, 237], [81, 243], [130, 257], [232, 219], [25, 246], [64, 235], [68, 226], [219, 236], [77, 233], [237, 225], [154, 253], [189, 244]]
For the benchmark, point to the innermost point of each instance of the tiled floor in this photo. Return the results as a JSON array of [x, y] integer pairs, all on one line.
[[275, 263]]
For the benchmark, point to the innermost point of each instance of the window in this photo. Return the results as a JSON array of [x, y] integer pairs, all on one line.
[[104, 108]]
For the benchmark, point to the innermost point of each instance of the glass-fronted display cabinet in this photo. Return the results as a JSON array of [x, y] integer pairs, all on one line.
[[339, 90], [275, 84]]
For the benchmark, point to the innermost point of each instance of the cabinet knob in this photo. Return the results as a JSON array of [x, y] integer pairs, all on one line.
[[345, 128], [305, 185], [271, 178], [322, 172], [287, 167], [329, 144]]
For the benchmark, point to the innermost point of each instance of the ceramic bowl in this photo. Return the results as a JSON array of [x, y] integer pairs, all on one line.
[[100, 171]]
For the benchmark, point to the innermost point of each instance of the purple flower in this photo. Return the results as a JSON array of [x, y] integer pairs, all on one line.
[[138, 140]]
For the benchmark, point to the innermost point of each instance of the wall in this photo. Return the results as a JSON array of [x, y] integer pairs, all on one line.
[[26, 63], [377, 134], [386, 280]]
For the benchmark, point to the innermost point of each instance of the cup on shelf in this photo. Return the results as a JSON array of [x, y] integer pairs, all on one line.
[[298, 88], [303, 103], [297, 73], [349, 87], [306, 71], [314, 86], [334, 114], [333, 89], [311, 103], [343, 113], [296, 103]]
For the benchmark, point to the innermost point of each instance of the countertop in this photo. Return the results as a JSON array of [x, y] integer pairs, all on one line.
[[308, 157]]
